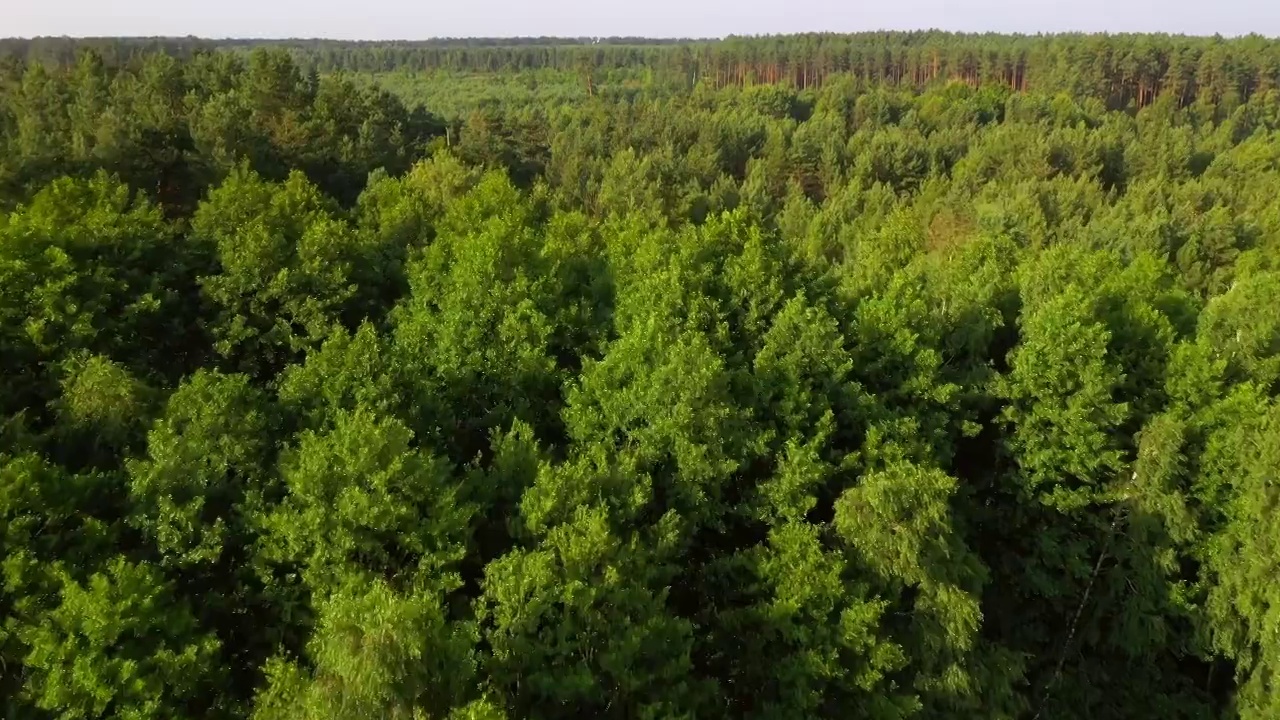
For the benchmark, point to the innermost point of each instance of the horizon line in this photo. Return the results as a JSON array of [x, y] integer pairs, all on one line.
[[652, 38]]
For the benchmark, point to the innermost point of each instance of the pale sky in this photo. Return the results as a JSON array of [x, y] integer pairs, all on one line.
[[410, 19]]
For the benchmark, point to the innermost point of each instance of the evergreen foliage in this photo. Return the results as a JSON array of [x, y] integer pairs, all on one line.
[[885, 377]]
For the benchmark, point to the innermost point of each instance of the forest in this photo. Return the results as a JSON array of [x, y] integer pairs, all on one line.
[[885, 376]]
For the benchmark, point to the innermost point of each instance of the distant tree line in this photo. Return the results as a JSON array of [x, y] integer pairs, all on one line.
[[1121, 70]]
